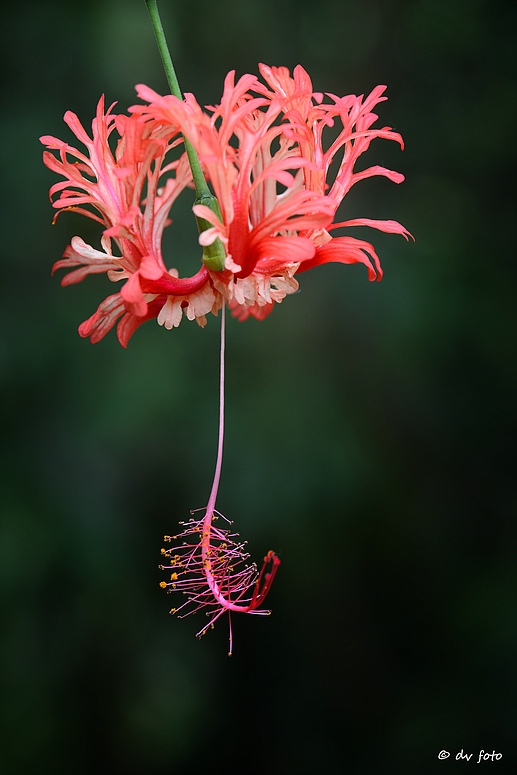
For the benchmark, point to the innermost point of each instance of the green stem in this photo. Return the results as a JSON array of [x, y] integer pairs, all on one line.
[[213, 255]]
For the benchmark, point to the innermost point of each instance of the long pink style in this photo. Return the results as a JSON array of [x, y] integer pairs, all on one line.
[[213, 571]]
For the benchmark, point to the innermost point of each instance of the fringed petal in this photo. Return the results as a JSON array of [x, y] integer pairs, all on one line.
[[243, 312], [133, 296], [150, 269], [129, 323], [82, 255], [102, 321], [395, 177], [171, 313], [283, 250], [346, 250], [391, 227], [77, 128]]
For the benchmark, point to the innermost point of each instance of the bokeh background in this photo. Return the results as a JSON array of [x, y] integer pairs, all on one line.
[[370, 436]]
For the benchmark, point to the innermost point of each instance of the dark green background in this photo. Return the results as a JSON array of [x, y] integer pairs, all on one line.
[[370, 436]]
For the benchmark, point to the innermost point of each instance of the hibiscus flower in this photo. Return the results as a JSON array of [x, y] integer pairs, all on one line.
[[262, 151]]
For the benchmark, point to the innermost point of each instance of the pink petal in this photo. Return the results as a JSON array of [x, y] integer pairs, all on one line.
[[146, 94], [346, 250], [150, 269], [98, 325], [395, 177], [79, 274], [288, 250], [202, 211], [208, 237], [132, 294], [129, 323], [77, 128], [52, 142], [243, 311], [391, 227]]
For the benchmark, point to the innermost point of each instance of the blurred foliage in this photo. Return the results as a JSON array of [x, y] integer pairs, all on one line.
[[371, 427]]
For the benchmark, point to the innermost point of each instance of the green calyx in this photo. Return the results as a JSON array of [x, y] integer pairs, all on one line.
[[214, 255]]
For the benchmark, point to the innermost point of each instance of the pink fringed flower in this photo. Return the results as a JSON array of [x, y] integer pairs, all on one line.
[[262, 151]]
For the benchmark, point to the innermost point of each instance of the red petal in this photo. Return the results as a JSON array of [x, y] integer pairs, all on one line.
[[346, 250], [132, 294], [175, 286], [129, 323], [289, 250]]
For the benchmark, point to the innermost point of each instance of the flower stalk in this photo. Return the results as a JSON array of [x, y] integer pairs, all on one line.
[[214, 255]]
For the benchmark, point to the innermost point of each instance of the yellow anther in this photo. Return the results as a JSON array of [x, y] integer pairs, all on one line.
[[173, 610], [174, 577], [163, 584], [162, 551], [161, 567], [167, 538]]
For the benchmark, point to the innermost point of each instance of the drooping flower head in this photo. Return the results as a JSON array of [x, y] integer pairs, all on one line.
[[262, 152]]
